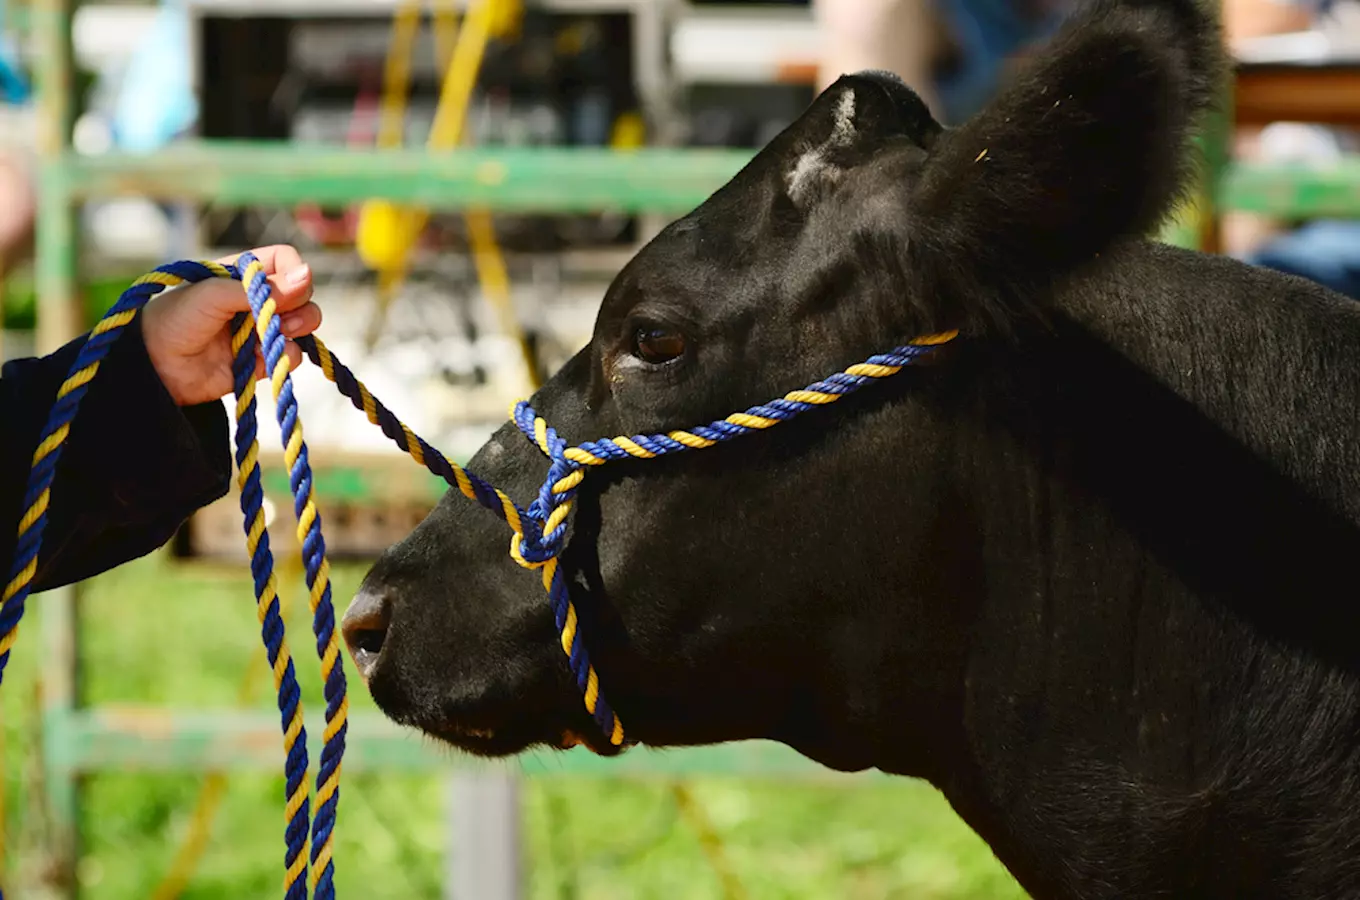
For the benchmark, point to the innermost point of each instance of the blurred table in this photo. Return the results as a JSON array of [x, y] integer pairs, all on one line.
[[1311, 77], [1324, 92], [1302, 76]]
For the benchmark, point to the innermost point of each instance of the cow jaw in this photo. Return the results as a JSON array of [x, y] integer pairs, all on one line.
[[509, 738]]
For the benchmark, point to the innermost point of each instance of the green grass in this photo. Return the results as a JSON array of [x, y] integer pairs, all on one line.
[[160, 633]]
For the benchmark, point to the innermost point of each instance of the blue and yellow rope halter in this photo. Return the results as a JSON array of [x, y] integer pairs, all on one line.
[[538, 533]]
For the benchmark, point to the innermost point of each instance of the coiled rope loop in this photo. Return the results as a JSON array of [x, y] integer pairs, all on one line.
[[262, 329], [538, 533]]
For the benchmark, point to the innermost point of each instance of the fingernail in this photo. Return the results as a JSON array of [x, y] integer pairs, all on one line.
[[291, 323], [298, 276]]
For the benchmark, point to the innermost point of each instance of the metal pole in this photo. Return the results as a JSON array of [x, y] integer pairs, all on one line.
[[484, 848], [58, 317], [58, 320]]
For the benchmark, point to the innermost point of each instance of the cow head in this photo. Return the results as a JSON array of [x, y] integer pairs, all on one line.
[[810, 583]]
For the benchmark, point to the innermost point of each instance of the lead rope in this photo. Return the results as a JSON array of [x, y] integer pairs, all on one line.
[[266, 332], [538, 533]]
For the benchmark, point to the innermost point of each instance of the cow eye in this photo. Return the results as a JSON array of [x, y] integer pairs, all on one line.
[[657, 345]]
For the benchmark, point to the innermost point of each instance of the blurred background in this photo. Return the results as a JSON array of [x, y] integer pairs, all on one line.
[[465, 179]]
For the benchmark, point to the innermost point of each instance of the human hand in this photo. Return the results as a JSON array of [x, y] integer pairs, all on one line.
[[187, 331]]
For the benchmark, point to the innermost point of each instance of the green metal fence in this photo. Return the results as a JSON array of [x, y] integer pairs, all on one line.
[[79, 740]]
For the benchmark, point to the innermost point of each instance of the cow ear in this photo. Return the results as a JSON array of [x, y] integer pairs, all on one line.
[[1089, 143]]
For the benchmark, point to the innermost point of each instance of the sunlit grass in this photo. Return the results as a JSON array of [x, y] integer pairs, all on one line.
[[175, 635]]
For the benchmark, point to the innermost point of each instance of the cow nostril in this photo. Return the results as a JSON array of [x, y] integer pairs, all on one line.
[[365, 629], [367, 640]]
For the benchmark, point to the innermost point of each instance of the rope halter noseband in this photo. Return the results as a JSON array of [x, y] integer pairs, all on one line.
[[538, 533]]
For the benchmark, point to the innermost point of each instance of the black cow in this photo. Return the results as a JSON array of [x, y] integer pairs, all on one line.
[[1092, 572]]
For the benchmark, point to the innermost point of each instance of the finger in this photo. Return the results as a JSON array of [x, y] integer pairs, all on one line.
[[278, 259], [290, 349], [289, 292], [274, 258], [229, 297], [290, 279], [294, 355], [221, 297], [302, 321], [293, 288]]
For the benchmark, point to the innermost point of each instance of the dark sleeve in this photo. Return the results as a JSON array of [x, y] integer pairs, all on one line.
[[134, 468]]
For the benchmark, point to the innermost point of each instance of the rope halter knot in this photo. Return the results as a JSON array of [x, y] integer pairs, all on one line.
[[544, 523], [539, 532]]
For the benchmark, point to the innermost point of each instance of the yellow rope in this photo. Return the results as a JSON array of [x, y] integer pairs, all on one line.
[[330, 655]]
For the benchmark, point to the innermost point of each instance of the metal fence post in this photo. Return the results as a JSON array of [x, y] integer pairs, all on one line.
[[59, 319], [484, 848]]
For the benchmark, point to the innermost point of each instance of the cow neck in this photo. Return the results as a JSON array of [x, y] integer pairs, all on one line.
[[1164, 487]]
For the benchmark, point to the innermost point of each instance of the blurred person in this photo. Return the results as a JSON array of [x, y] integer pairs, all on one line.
[[18, 209], [1326, 251], [18, 200], [898, 36], [150, 444], [1244, 20], [953, 53]]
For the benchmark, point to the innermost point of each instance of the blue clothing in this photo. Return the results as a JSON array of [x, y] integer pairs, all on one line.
[[155, 101], [1326, 251], [987, 32], [134, 467], [14, 86]]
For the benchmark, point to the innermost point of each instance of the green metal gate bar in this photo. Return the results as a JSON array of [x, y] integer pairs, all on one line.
[[162, 740], [557, 180]]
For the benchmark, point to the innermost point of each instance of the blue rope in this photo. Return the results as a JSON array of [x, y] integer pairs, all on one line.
[[34, 521]]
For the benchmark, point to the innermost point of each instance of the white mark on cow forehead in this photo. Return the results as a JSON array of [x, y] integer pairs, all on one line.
[[813, 163], [844, 129]]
